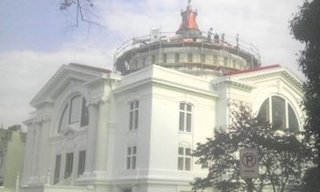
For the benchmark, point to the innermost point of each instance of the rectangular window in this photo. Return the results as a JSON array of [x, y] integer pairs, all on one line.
[[143, 61], [81, 162], [203, 58], [57, 169], [84, 114], [153, 59], [190, 57], [225, 61], [184, 159], [177, 58], [215, 60], [1, 158], [164, 58], [185, 117], [131, 157], [134, 115], [69, 165]]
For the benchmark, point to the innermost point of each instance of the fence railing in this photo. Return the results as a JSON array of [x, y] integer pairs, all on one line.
[[139, 41]]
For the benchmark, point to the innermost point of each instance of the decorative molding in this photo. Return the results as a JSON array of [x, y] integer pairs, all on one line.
[[234, 84], [69, 133], [97, 100]]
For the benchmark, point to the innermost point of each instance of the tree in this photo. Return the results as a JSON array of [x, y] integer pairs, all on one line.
[[305, 27], [282, 156], [83, 10]]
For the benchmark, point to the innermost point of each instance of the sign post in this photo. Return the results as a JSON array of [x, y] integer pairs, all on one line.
[[249, 162]]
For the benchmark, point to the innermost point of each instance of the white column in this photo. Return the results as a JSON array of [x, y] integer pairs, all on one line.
[[99, 115], [93, 114], [101, 139]]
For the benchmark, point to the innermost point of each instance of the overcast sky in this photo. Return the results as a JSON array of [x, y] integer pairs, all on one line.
[[36, 38]]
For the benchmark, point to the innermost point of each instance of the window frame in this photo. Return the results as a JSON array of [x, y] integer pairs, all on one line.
[[82, 119], [134, 115], [184, 159], [190, 57], [203, 58], [215, 59], [131, 157], [57, 169], [164, 57], [186, 117], [268, 112], [81, 162], [177, 57], [69, 165]]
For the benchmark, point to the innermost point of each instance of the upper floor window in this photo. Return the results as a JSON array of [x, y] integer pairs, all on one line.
[[203, 58], [225, 61], [143, 61], [185, 116], [75, 111], [234, 65], [1, 158], [153, 59], [215, 59], [177, 57], [131, 157], [190, 57], [279, 113], [134, 115], [184, 159], [164, 58]]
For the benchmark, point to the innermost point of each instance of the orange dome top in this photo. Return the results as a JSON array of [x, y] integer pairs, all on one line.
[[189, 24]]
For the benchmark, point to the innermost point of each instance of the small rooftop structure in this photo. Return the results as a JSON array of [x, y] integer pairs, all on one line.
[[189, 26]]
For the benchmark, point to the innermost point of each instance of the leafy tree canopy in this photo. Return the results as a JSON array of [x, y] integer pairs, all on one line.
[[305, 27], [282, 156]]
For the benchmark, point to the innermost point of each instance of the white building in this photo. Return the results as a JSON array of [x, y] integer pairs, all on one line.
[[133, 130]]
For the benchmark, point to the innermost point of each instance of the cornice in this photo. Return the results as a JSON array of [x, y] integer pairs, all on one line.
[[234, 84], [152, 78], [160, 81], [282, 72], [38, 120]]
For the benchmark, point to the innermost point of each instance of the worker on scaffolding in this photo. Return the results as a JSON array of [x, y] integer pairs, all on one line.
[[216, 38], [210, 33]]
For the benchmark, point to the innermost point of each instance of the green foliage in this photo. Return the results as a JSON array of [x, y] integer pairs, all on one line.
[[281, 156], [305, 27], [311, 180]]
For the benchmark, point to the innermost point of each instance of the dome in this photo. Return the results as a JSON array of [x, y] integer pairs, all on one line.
[[188, 50]]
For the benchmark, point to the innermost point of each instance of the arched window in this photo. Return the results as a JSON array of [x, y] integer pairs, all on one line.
[[75, 112], [279, 113]]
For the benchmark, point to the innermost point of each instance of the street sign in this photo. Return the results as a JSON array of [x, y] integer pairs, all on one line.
[[249, 163]]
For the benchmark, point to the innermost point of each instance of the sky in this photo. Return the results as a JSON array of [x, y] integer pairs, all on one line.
[[36, 37]]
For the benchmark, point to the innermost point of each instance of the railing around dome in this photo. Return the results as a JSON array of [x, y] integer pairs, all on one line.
[[153, 37]]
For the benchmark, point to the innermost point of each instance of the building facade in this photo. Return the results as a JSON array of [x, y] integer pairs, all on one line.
[[133, 129], [12, 143]]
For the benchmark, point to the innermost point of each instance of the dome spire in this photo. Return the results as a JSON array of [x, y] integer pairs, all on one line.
[[189, 26]]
